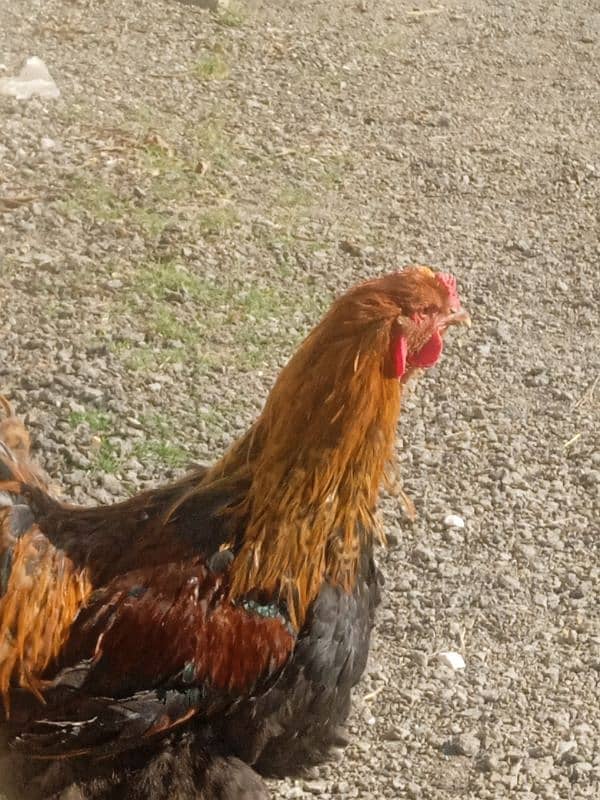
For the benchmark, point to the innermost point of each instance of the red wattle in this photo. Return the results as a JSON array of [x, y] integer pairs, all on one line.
[[398, 352], [428, 354]]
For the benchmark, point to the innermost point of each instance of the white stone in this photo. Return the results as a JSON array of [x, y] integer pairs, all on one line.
[[34, 79], [452, 659], [454, 521]]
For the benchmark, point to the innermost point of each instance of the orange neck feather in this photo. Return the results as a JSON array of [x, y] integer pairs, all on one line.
[[316, 458]]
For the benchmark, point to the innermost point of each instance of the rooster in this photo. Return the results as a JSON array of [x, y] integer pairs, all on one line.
[[179, 643]]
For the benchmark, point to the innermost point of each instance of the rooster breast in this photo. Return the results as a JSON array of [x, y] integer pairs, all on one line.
[[292, 723]]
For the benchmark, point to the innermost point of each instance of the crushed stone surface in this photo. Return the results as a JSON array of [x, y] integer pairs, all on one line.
[[180, 216]]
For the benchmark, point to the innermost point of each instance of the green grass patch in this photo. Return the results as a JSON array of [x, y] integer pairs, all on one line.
[[138, 359], [91, 196], [194, 184], [213, 143], [150, 221], [157, 447], [231, 17], [291, 207], [213, 222], [97, 421], [294, 197], [164, 280], [261, 303], [107, 459], [161, 321], [153, 358], [95, 198], [211, 67], [167, 178], [161, 452], [100, 423], [186, 317]]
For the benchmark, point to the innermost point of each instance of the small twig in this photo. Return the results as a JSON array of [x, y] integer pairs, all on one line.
[[114, 149], [179, 74], [287, 151], [11, 203], [67, 30], [372, 695], [425, 12], [587, 395], [572, 441]]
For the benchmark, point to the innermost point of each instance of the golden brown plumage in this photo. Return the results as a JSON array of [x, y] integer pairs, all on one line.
[[236, 596], [333, 388], [42, 592]]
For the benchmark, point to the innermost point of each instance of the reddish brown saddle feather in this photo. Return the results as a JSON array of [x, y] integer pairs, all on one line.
[[179, 618]]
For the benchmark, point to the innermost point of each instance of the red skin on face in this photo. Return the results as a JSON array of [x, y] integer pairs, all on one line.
[[427, 356], [431, 351]]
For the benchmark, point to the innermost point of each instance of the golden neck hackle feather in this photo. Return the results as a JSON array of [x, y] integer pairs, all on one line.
[[316, 457]]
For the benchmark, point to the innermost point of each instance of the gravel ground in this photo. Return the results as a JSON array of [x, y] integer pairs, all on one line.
[[175, 222]]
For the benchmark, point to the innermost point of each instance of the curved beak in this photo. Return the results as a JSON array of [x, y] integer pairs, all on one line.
[[458, 318]]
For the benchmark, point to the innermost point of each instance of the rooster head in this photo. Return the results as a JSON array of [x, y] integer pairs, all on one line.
[[419, 305]]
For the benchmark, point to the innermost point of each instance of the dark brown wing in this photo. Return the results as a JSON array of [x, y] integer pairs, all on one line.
[[150, 650], [118, 616], [143, 531], [53, 555]]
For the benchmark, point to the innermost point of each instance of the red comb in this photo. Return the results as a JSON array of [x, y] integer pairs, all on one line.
[[449, 283]]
